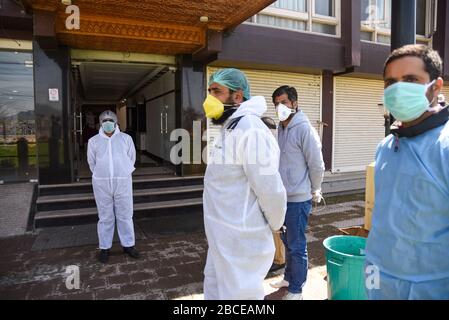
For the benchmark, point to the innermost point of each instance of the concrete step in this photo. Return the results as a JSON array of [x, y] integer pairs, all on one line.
[[69, 217], [86, 200], [332, 188], [138, 183]]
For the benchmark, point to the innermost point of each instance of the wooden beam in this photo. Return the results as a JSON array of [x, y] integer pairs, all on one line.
[[118, 34], [350, 31], [96, 25], [44, 23], [214, 45], [44, 29], [170, 27]]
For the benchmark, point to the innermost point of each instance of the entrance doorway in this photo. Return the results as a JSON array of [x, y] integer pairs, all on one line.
[[143, 97]]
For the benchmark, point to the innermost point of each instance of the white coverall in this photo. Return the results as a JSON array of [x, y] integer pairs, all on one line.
[[111, 160], [244, 199]]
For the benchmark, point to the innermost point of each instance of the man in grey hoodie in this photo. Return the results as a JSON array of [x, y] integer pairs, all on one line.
[[302, 168]]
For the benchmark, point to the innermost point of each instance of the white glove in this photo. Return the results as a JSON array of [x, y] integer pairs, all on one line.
[[317, 196]]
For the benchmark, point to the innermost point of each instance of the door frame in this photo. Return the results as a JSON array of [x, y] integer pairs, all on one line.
[[76, 108]]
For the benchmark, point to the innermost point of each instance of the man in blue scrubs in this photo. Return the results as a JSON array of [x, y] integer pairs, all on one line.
[[409, 241]]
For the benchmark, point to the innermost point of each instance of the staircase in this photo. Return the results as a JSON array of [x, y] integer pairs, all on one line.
[[74, 204], [154, 196]]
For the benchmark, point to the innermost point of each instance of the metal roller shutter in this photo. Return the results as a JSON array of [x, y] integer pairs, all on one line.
[[263, 83], [358, 122]]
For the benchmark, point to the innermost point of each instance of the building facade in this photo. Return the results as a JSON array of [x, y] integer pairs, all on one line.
[[150, 63]]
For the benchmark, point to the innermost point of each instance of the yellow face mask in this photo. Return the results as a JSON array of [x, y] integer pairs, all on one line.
[[213, 107]]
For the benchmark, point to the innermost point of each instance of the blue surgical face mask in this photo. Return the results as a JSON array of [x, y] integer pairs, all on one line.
[[407, 101], [108, 126]]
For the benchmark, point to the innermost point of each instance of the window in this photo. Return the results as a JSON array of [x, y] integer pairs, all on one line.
[[376, 13], [376, 20], [281, 22], [365, 10], [325, 8], [382, 38], [319, 16], [293, 5], [18, 160], [323, 28], [366, 36]]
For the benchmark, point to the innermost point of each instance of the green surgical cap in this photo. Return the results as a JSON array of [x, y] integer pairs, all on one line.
[[233, 79]]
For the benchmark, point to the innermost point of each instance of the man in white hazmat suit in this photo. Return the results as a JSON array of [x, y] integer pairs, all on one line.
[[111, 156], [244, 198]]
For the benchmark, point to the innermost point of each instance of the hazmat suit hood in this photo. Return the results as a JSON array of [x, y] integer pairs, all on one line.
[[256, 106], [108, 114]]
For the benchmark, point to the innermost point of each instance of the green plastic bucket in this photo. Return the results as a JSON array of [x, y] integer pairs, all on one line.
[[345, 262]]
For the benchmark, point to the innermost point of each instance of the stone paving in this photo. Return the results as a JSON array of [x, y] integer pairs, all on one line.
[[15, 204], [171, 266]]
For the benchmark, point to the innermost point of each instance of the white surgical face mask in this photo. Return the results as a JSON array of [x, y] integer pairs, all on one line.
[[108, 126], [284, 112]]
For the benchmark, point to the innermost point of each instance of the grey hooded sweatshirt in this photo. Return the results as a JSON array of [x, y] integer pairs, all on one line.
[[301, 163]]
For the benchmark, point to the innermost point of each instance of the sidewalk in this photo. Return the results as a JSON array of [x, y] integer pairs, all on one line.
[[171, 266]]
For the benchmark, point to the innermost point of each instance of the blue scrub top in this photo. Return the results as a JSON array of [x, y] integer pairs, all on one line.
[[409, 238]]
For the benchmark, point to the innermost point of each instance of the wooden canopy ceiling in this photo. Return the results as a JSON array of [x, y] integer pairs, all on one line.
[[149, 26]]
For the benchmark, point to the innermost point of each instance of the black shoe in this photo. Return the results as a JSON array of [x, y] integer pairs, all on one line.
[[132, 252], [103, 257], [276, 267]]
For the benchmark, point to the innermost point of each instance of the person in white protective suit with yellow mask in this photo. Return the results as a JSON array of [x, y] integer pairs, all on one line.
[[244, 198], [111, 156]]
